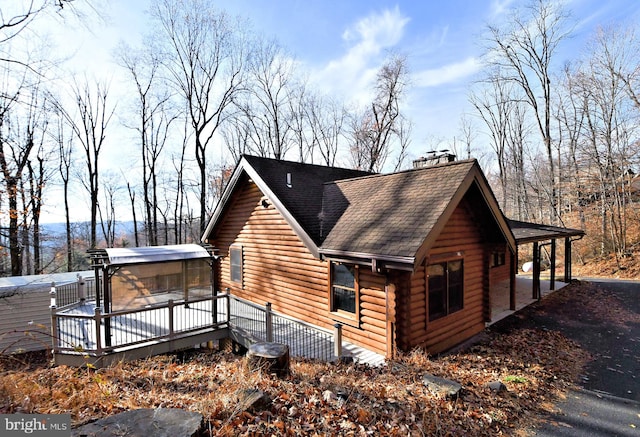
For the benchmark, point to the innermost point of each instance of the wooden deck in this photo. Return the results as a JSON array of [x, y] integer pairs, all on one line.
[[160, 327], [86, 336], [524, 296]]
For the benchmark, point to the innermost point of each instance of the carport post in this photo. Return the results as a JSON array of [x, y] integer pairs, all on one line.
[[567, 259], [552, 273], [536, 271], [512, 279]]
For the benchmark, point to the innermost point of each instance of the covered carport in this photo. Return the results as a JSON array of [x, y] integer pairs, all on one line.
[[545, 235]]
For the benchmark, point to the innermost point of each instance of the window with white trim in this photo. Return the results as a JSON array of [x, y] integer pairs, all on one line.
[[235, 264]]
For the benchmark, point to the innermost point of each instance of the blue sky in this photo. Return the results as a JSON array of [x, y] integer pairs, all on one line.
[[341, 44]]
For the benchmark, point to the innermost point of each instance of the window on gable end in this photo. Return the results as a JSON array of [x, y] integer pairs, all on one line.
[[445, 287], [498, 259], [235, 264]]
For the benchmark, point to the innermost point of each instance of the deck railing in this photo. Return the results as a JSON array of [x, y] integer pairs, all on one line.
[[81, 327], [97, 333], [304, 339], [74, 292]]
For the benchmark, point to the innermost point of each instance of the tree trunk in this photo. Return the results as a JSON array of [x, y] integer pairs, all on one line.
[[15, 251]]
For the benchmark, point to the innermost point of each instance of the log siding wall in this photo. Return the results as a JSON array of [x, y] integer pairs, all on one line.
[[278, 268], [502, 273], [460, 234]]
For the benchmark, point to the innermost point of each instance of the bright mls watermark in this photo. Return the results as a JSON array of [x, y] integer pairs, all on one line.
[[49, 425]]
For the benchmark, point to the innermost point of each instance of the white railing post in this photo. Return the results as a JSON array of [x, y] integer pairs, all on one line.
[[337, 340], [54, 318], [269, 321], [82, 292], [53, 295]]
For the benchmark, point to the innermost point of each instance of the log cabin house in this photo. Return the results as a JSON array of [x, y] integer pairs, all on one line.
[[402, 261]]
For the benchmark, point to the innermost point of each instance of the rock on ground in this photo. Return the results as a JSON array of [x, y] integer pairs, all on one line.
[[159, 422]]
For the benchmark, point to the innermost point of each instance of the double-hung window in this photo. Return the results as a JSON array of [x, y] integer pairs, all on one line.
[[344, 288], [446, 288]]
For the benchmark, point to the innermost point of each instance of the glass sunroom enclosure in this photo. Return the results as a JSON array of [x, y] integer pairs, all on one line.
[[138, 277]]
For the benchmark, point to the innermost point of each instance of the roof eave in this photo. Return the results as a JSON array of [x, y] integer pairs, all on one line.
[[551, 236], [474, 175], [494, 207], [362, 258], [226, 195]]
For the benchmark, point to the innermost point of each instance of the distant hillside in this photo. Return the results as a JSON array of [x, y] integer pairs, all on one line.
[[59, 229]]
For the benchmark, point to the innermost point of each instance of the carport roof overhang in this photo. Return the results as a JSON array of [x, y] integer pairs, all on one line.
[[525, 232], [149, 254]]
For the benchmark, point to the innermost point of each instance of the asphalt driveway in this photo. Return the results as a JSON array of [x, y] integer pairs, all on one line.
[[607, 325]]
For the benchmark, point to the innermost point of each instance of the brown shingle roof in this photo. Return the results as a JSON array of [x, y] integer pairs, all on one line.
[[303, 198], [389, 215], [340, 212], [526, 232]]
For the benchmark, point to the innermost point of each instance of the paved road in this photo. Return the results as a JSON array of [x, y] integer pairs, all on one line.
[[608, 404]]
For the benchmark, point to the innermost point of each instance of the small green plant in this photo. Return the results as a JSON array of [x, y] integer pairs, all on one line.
[[516, 379]]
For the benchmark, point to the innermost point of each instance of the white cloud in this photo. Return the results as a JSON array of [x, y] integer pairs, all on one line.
[[353, 72], [377, 31], [447, 73], [499, 7]]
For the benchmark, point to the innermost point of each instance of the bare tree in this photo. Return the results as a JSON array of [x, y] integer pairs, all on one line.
[[610, 131], [132, 198], [107, 210], [39, 175], [374, 130], [628, 68], [302, 134], [16, 16], [205, 56], [89, 124], [518, 134], [153, 125], [181, 196], [467, 134], [571, 108], [237, 135], [494, 103], [22, 126], [270, 76], [327, 118], [524, 52], [64, 142]]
